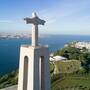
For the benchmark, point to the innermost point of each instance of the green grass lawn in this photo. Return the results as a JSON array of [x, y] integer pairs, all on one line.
[[72, 82]]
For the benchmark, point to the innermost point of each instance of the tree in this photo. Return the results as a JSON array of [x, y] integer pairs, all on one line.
[[76, 54]]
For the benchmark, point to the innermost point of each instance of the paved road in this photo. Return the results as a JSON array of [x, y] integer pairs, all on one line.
[[10, 88]]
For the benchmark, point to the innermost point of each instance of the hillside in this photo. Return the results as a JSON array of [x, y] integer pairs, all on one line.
[[10, 88], [68, 82], [70, 74], [59, 81], [72, 82], [9, 79]]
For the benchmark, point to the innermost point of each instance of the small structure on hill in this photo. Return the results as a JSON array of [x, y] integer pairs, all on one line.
[[34, 71], [66, 66], [57, 58]]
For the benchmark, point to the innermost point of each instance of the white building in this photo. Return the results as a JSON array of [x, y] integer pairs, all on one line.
[[81, 45], [57, 58]]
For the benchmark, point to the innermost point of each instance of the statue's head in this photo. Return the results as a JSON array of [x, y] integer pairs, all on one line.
[[34, 14]]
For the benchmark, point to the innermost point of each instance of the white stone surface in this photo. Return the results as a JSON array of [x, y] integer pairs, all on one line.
[[34, 35], [35, 21], [34, 69], [34, 54]]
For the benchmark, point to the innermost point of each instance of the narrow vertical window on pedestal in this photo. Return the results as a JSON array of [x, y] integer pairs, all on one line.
[[25, 77], [42, 73]]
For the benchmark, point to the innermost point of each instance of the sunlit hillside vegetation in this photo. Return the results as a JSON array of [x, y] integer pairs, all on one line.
[[72, 74]]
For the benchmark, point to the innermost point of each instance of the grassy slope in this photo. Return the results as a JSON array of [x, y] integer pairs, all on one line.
[[9, 79], [69, 82], [73, 81]]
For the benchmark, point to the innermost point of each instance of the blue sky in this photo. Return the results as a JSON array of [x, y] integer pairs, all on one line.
[[62, 16]]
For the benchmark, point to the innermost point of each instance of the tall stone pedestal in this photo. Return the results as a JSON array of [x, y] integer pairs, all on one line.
[[34, 68]]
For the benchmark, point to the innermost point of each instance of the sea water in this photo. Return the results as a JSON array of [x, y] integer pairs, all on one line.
[[10, 48]]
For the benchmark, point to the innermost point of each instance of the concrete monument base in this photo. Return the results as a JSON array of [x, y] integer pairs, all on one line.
[[34, 68]]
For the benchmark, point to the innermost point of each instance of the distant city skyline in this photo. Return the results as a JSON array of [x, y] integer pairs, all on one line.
[[62, 16]]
